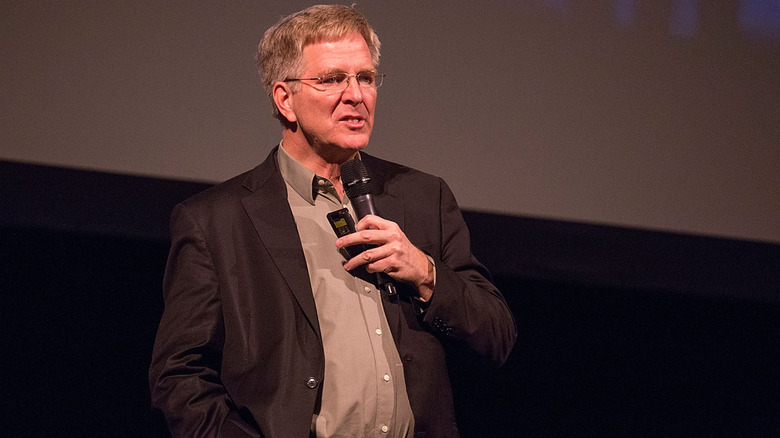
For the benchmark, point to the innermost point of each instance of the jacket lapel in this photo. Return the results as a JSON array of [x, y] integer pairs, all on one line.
[[388, 205], [273, 221]]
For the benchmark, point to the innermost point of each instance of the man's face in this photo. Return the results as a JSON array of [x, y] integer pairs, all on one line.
[[337, 124]]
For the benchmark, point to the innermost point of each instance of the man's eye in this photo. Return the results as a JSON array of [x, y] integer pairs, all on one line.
[[366, 78], [334, 78]]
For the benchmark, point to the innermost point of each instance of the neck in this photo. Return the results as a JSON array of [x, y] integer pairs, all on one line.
[[316, 159]]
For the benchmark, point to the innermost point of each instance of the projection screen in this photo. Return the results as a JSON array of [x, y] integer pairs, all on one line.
[[649, 114]]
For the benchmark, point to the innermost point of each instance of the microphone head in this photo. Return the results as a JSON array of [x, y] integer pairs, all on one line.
[[354, 178]]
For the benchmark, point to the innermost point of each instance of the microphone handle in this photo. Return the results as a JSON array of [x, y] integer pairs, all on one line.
[[364, 206]]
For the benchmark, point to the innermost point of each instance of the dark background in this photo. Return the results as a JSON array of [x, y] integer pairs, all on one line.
[[642, 113], [623, 332]]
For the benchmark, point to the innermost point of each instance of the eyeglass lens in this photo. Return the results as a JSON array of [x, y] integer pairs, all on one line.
[[341, 80]]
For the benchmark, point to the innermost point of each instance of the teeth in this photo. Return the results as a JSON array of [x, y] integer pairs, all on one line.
[[355, 120]]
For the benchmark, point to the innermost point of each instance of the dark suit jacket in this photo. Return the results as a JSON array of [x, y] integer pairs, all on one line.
[[239, 351]]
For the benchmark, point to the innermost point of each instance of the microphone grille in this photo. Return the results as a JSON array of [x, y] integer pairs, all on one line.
[[354, 178]]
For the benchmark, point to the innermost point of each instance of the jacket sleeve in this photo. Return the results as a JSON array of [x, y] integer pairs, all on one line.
[[184, 375], [466, 306]]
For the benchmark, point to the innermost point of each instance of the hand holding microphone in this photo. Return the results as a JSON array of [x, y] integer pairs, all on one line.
[[391, 252]]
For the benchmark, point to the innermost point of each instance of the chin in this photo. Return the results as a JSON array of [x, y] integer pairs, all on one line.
[[354, 144]]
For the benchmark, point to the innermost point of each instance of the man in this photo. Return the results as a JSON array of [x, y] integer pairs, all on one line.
[[268, 330]]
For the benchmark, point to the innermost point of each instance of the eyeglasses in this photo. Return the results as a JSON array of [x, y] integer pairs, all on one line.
[[338, 82]]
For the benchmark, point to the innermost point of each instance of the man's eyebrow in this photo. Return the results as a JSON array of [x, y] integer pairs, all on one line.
[[332, 71], [339, 70]]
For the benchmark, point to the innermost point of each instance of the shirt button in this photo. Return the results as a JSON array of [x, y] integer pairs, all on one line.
[[379, 331], [312, 382], [367, 289], [385, 429], [387, 377]]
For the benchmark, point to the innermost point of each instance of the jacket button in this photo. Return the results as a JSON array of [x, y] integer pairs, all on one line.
[[312, 383]]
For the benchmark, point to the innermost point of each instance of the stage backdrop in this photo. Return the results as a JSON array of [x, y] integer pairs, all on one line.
[[650, 114]]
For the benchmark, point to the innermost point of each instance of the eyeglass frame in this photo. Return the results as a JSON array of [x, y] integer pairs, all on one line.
[[377, 75]]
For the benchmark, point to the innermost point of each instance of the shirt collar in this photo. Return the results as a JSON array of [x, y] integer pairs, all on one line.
[[305, 182]]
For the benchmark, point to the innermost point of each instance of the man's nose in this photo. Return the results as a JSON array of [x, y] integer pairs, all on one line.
[[353, 92]]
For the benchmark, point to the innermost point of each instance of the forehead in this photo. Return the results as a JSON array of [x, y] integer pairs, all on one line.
[[346, 54]]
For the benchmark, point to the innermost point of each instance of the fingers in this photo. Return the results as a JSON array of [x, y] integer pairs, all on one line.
[[390, 252], [371, 222], [378, 259], [372, 230]]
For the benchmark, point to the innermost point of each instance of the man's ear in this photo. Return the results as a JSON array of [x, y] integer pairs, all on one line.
[[283, 98]]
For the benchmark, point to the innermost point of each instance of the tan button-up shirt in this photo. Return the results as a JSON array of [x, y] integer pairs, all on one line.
[[363, 392]]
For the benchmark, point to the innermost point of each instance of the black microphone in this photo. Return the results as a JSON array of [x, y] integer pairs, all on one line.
[[354, 179]]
